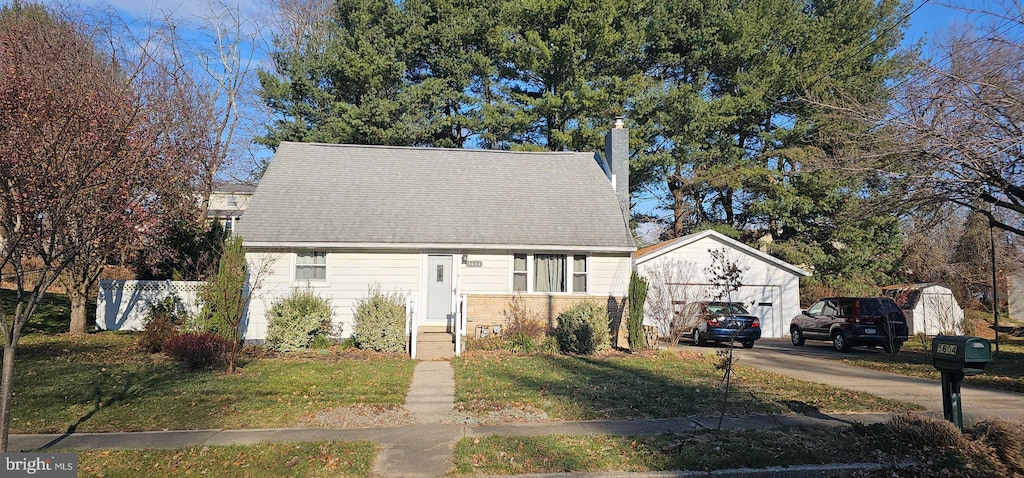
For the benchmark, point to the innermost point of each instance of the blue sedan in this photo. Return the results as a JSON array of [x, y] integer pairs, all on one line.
[[726, 322]]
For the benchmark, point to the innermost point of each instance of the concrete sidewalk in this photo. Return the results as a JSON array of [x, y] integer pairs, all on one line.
[[425, 450]]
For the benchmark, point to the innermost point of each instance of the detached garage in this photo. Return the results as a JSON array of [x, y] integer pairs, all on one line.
[[770, 288], [931, 309]]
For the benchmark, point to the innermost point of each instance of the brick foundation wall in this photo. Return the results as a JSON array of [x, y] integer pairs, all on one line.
[[487, 311]]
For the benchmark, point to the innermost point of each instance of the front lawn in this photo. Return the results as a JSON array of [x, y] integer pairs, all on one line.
[[656, 386], [53, 315], [311, 459], [698, 451], [100, 383], [906, 445]]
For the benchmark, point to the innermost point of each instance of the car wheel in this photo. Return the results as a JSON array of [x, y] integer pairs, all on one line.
[[839, 341], [748, 345], [696, 337], [796, 336]]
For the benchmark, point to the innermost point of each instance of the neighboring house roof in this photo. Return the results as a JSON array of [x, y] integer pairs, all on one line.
[[656, 250], [232, 188], [316, 194], [921, 285]]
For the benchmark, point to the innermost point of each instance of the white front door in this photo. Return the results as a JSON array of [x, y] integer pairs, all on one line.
[[439, 290]]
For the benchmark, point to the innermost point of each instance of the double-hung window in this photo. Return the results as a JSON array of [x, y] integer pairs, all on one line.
[[519, 273], [311, 265], [549, 273], [579, 273]]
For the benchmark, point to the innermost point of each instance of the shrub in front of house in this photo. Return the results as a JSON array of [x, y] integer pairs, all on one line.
[[162, 323], [489, 343], [523, 331], [583, 329], [380, 321], [202, 351], [299, 321]]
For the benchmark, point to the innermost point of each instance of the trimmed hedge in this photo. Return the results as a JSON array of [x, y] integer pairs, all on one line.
[[298, 322], [380, 321], [583, 329]]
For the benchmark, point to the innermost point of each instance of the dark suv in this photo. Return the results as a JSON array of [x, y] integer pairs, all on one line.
[[851, 321]]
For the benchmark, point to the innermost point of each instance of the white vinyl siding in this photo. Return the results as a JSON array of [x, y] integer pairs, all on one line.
[[609, 274], [349, 277], [351, 273]]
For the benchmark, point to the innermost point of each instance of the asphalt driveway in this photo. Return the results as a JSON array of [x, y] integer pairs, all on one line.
[[810, 363]]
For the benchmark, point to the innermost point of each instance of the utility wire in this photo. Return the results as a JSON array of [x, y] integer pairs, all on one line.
[[865, 46]]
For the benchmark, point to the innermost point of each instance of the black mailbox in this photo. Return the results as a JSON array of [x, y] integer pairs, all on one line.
[[966, 355]]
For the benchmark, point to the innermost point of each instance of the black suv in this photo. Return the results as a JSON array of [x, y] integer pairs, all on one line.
[[850, 321]]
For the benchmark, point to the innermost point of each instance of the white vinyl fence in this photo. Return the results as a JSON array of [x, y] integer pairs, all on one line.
[[123, 304]]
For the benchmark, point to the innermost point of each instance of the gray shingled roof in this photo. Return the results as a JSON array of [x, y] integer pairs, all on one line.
[[346, 194]]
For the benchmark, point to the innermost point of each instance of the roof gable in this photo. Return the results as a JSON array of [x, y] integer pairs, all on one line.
[[317, 193], [656, 250]]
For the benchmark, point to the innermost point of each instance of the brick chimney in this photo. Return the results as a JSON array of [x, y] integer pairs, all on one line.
[[616, 155]]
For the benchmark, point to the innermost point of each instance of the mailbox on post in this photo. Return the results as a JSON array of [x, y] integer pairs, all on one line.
[[956, 357]]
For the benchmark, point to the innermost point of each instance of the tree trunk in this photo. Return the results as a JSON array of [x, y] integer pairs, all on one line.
[[5, 395], [79, 303]]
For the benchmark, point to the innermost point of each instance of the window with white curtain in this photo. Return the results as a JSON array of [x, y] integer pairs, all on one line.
[[311, 265], [550, 273]]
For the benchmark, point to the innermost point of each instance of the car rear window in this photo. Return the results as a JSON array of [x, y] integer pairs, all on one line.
[[726, 308], [845, 308], [878, 307], [870, 307]]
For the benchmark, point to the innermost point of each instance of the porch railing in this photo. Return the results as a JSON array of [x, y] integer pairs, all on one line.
[[460, 325], [411, 327]]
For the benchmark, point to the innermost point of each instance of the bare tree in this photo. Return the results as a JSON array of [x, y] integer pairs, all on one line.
[[87, 162], [674, 291], [726, 277], [197, 86], [300, 25], [954, 127], [211, 65]]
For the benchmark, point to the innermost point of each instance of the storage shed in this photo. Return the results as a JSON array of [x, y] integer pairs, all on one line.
[[931, 309]]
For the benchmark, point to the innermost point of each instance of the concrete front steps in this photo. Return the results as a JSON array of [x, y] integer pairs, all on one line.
[[434, 343]]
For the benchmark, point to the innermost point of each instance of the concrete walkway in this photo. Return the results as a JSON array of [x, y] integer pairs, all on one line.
[[425, 448]]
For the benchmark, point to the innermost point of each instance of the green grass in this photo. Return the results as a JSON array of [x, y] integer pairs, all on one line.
[[53, 315], [704, 451], [310, 459], [98, 383], [924, 447], [1005, 372], [666, 385]]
